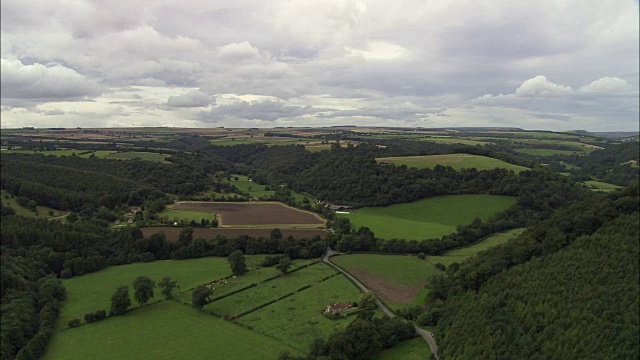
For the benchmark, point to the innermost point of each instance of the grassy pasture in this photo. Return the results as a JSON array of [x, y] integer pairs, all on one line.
[[428, 218], [41, 211], [255, 275], [601, 186], [232, 142], [92, 292], [458, 255], [454, 140], [297, 320], [265, 292], [396, 279], [130, 155], [413, 349], [258, 190], [254, 189], [456, 161], [62, 152], [165, 330]]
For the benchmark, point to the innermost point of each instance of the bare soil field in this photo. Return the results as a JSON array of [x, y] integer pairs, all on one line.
[[172, 233], [386, 290], [254, 214]]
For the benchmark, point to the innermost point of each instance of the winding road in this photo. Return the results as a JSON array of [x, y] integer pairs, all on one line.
[[424, 333]]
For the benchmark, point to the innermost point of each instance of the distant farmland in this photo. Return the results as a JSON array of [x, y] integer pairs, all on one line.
[[428, 218], [456, 161], [255, 214], [172, 232]]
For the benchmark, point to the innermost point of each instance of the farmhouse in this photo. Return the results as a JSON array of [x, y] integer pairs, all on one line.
[[337, 308], [340, 207]]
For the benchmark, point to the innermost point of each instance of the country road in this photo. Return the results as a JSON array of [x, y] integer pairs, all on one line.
[[424, 333]]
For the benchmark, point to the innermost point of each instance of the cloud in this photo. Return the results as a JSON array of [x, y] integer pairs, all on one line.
[[368, 56], [191, 99], [539, 86], [551, 116], [605, 85], [267, 110], [43, 83], [239, 51]]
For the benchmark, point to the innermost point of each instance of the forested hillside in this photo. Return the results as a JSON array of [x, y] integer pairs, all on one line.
[[566, 289]]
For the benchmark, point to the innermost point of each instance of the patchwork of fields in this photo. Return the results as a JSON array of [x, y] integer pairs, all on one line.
[[278, 313], [428, 218]]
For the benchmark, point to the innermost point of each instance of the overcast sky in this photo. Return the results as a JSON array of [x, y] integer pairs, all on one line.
[[556, 65]]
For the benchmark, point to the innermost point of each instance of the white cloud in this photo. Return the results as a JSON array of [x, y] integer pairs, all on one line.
[[539, 86], [605, 85], [239, 51]]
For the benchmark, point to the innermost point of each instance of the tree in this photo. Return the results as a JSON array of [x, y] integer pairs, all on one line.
[[276, 234], [120, 300], [367, 301], [143, 289], [200, 296], [237, 262], [167, 286], [284, 264]]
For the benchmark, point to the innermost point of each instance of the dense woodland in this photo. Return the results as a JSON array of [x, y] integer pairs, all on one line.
[[580, 251]]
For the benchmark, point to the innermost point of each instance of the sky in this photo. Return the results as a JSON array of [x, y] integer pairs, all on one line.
[[549, 65]]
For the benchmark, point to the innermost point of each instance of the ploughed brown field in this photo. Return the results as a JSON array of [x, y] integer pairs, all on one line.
[[254, 213], [172, 232]]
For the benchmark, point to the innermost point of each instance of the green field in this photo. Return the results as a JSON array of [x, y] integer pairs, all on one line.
[[265, 292], [92, 292], [258, 190], [63, 152], [165, 330], [454, 140], [456, 161], [427, 218], [105, 154], [130, 155], [458, 255], [601, 186], [255, 275], [231, 142], [297, 320], [414, 349], [245, 185], [41, 211], [186, 215]]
